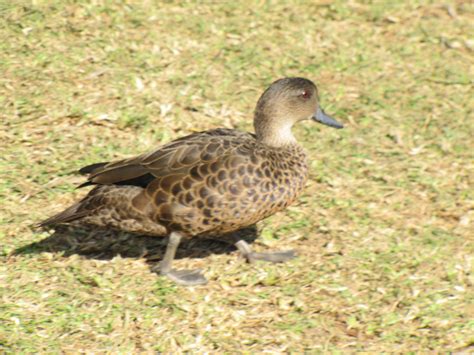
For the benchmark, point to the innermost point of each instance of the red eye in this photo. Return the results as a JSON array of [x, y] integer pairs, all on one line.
[[306, 94]]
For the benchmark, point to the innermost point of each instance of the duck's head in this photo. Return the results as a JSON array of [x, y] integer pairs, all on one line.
[[284, 103]]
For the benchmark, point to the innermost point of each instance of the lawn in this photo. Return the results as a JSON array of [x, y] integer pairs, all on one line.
[[384, 229]]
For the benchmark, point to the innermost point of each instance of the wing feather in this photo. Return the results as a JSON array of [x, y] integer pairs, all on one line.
[[178, 156]]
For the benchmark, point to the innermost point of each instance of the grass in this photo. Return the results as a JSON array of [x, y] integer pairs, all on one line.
[[384, 229]]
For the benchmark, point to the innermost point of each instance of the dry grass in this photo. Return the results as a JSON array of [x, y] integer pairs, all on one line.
[[384, 230]]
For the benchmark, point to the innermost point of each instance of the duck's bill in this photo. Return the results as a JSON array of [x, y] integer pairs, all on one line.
[[321, 117]]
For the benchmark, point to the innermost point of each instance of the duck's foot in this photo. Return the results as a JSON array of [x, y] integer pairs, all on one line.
[[273, 257], [185, 277], [181, 277]]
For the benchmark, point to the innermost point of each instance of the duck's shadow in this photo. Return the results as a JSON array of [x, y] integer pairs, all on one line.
[[104, 244]]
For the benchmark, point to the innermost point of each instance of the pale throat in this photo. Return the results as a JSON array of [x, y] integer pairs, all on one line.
[[276, 135]]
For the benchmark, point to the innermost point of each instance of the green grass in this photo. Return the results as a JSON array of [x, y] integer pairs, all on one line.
[[384, 229]]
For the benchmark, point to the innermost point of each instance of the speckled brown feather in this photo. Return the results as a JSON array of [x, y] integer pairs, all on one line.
[[207, 183]]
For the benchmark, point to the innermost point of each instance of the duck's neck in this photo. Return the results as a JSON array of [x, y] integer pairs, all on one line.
[[274, 134]]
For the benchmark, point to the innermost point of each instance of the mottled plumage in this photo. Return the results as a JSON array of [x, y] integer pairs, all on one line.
[[208, 183]]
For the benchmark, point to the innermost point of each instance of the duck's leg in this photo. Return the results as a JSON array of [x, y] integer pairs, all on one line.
[[181, 277], [274, 257]]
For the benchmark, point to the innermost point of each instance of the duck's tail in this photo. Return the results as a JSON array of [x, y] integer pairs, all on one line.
[[111, 206], [93, 201], [70, 214]]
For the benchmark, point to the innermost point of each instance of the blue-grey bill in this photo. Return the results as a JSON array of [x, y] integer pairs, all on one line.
[[321, 117]]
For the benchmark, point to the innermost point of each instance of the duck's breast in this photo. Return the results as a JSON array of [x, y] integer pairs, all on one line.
[[230, 192]]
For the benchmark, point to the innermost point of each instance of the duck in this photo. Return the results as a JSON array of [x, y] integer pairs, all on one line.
[[208, 183]]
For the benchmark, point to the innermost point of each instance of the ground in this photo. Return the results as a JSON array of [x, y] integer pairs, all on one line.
[[384, 229]]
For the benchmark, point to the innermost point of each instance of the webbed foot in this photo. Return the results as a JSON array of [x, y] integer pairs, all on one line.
[[185, 277], [181, 277], [273, 257]]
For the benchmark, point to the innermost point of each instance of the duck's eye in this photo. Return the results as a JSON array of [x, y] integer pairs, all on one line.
[[305, 94]]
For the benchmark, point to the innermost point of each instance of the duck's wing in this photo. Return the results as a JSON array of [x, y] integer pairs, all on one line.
[[176, 157]]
